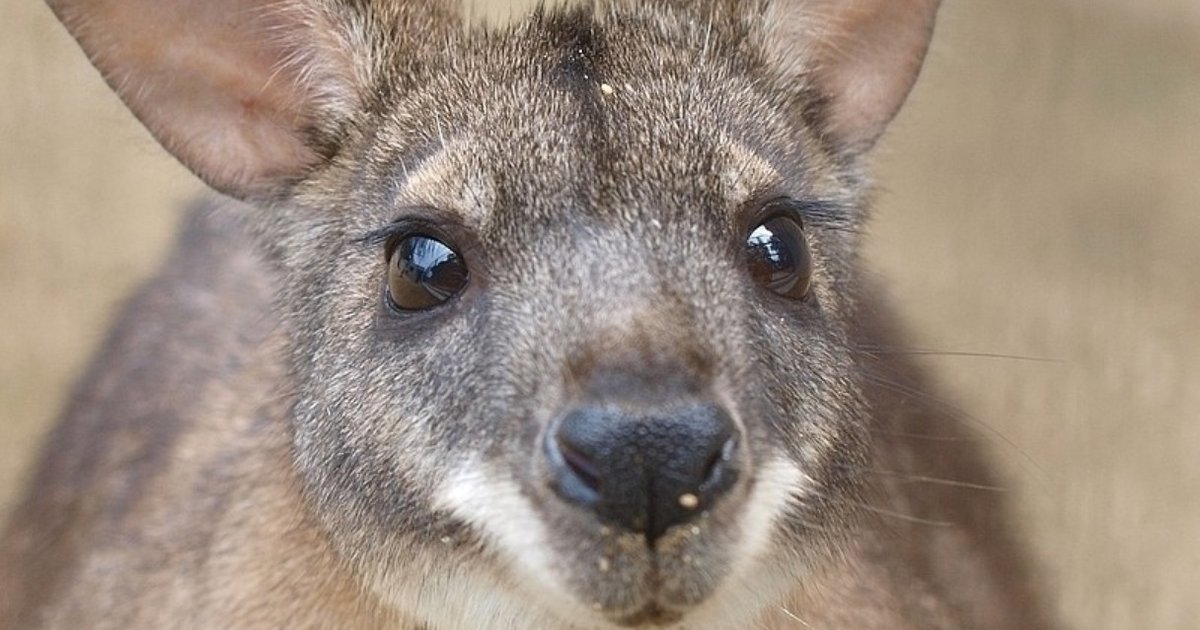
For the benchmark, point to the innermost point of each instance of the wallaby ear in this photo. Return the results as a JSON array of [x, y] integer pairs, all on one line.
[[246, 93], [863, 56]]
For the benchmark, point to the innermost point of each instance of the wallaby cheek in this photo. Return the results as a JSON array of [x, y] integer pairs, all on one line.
[[387, 415], [813, 408]]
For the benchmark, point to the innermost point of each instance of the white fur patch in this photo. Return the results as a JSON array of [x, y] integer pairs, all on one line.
[[778, 482], [492, 503], [754, 579], [744, 173], [446, 180]]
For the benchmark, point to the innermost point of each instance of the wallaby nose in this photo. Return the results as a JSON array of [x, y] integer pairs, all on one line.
[[644, 473]]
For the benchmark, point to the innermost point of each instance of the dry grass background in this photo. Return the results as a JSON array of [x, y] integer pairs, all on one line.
[[1041, 198]]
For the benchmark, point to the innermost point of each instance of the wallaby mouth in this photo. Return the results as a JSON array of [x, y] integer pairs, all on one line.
[[652, 615]]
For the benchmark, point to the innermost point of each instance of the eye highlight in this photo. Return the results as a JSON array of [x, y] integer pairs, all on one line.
[[424, 272], [778, 258]]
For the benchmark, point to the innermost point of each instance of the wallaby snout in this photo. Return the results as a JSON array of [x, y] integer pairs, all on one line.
[[644, 473]]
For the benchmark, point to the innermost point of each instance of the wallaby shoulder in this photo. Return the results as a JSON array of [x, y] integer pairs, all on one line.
[[171, 469]]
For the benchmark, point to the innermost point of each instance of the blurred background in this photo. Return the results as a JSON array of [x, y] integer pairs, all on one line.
[[1039, 201]]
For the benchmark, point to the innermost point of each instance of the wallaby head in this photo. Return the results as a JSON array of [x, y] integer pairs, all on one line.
[[568, 303]]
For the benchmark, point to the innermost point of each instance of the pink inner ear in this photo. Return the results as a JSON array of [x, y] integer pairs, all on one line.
[[222, 84], [229, 115], [864, 55]]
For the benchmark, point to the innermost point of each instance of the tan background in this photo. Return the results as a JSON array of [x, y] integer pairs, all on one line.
[[1041, 198]]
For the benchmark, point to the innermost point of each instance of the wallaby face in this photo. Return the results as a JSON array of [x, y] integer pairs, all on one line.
[[613, 397], [608, 289], [569, 307]]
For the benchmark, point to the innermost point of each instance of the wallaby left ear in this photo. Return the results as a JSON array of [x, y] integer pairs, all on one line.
[[862, 55], [249, 94]]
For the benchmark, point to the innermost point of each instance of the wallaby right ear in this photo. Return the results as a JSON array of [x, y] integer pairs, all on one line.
[[862, 55], [248, 94]]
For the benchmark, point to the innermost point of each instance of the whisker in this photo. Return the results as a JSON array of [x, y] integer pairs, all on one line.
[[794, 512], [806, 524], [910, 478], [919, 436], [951, 412], [795, 617], [900, 515], [900, 351], [909, 518]]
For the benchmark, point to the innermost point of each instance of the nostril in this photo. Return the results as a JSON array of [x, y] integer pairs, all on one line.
[[580, 464], [576, 473], [715, 464]]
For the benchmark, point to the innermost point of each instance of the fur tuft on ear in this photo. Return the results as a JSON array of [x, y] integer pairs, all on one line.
[[249, 94], [862, 55]]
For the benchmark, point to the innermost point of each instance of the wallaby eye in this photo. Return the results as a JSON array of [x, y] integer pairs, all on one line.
[[778, 256], [424, 272]]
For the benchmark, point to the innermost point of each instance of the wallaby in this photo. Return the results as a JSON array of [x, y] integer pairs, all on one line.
[[553, 325]]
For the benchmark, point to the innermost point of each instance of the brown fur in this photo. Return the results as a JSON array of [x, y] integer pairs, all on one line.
[[264, 444]]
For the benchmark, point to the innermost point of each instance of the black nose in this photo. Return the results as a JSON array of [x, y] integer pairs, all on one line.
[[644, 473]]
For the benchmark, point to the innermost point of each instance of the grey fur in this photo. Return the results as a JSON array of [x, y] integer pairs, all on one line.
[[243, 461]]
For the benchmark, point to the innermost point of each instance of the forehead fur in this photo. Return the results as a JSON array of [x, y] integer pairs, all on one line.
[[681, 114]]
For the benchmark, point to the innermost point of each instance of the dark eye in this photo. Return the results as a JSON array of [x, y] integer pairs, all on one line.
[[424, 272], [778, 256]]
